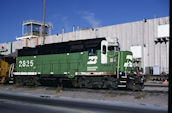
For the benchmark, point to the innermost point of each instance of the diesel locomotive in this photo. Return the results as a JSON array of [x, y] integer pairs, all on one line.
[[91, 63]]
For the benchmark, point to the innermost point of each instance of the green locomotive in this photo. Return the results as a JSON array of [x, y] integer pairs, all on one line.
[[91, 63]]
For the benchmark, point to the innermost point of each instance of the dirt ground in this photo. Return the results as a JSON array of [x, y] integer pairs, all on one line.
[[157, 96]]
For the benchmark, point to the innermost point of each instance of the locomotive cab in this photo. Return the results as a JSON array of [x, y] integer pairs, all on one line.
[[108, 47], [123, 61]]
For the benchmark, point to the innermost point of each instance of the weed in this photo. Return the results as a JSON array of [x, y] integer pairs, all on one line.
[[140, 96], [59, 89], [18, 85]]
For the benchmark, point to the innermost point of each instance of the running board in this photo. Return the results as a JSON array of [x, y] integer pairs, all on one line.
[[123, 81], [121, 85], [11, 82]]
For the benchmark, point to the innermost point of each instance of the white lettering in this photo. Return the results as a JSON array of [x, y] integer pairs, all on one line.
[[26, 63]]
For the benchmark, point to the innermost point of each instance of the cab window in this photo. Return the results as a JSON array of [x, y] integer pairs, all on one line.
[[92, 51], [111, 48], [104, 49]]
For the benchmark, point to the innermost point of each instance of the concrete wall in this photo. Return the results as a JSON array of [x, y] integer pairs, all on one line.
[[138, 33]]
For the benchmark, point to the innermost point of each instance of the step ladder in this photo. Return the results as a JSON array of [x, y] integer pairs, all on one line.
[[123, 81]]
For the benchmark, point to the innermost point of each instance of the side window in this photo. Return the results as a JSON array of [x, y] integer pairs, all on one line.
[[92, 51], [104, 49], [111, 48]]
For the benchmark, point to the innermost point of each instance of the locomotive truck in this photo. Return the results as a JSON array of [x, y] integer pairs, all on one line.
[[91, 63]]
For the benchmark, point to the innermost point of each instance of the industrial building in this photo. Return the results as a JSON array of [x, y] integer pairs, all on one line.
[[148, 39]]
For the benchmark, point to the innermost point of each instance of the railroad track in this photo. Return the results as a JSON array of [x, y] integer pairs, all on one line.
[[147, 89], [120, 91]]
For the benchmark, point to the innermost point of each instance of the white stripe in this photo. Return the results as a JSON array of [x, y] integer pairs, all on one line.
[[25, 73], [16, 73], [91, 69], [93, 73]]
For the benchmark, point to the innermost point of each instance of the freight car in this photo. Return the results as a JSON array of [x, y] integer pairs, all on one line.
[[7, 64], [91, 63]]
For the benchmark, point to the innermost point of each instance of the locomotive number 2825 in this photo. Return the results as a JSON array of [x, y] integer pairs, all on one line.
[[26, 63]]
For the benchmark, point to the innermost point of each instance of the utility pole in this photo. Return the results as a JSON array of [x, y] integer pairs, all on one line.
[[170, 71], [44, 25]]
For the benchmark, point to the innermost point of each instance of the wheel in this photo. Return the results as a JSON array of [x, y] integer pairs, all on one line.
[[18, 81], [133, 86]]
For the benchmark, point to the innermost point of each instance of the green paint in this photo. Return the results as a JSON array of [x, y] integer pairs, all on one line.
[[71, 63]]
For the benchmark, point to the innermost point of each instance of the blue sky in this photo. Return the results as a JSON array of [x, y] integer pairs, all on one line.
[[83, 13]]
